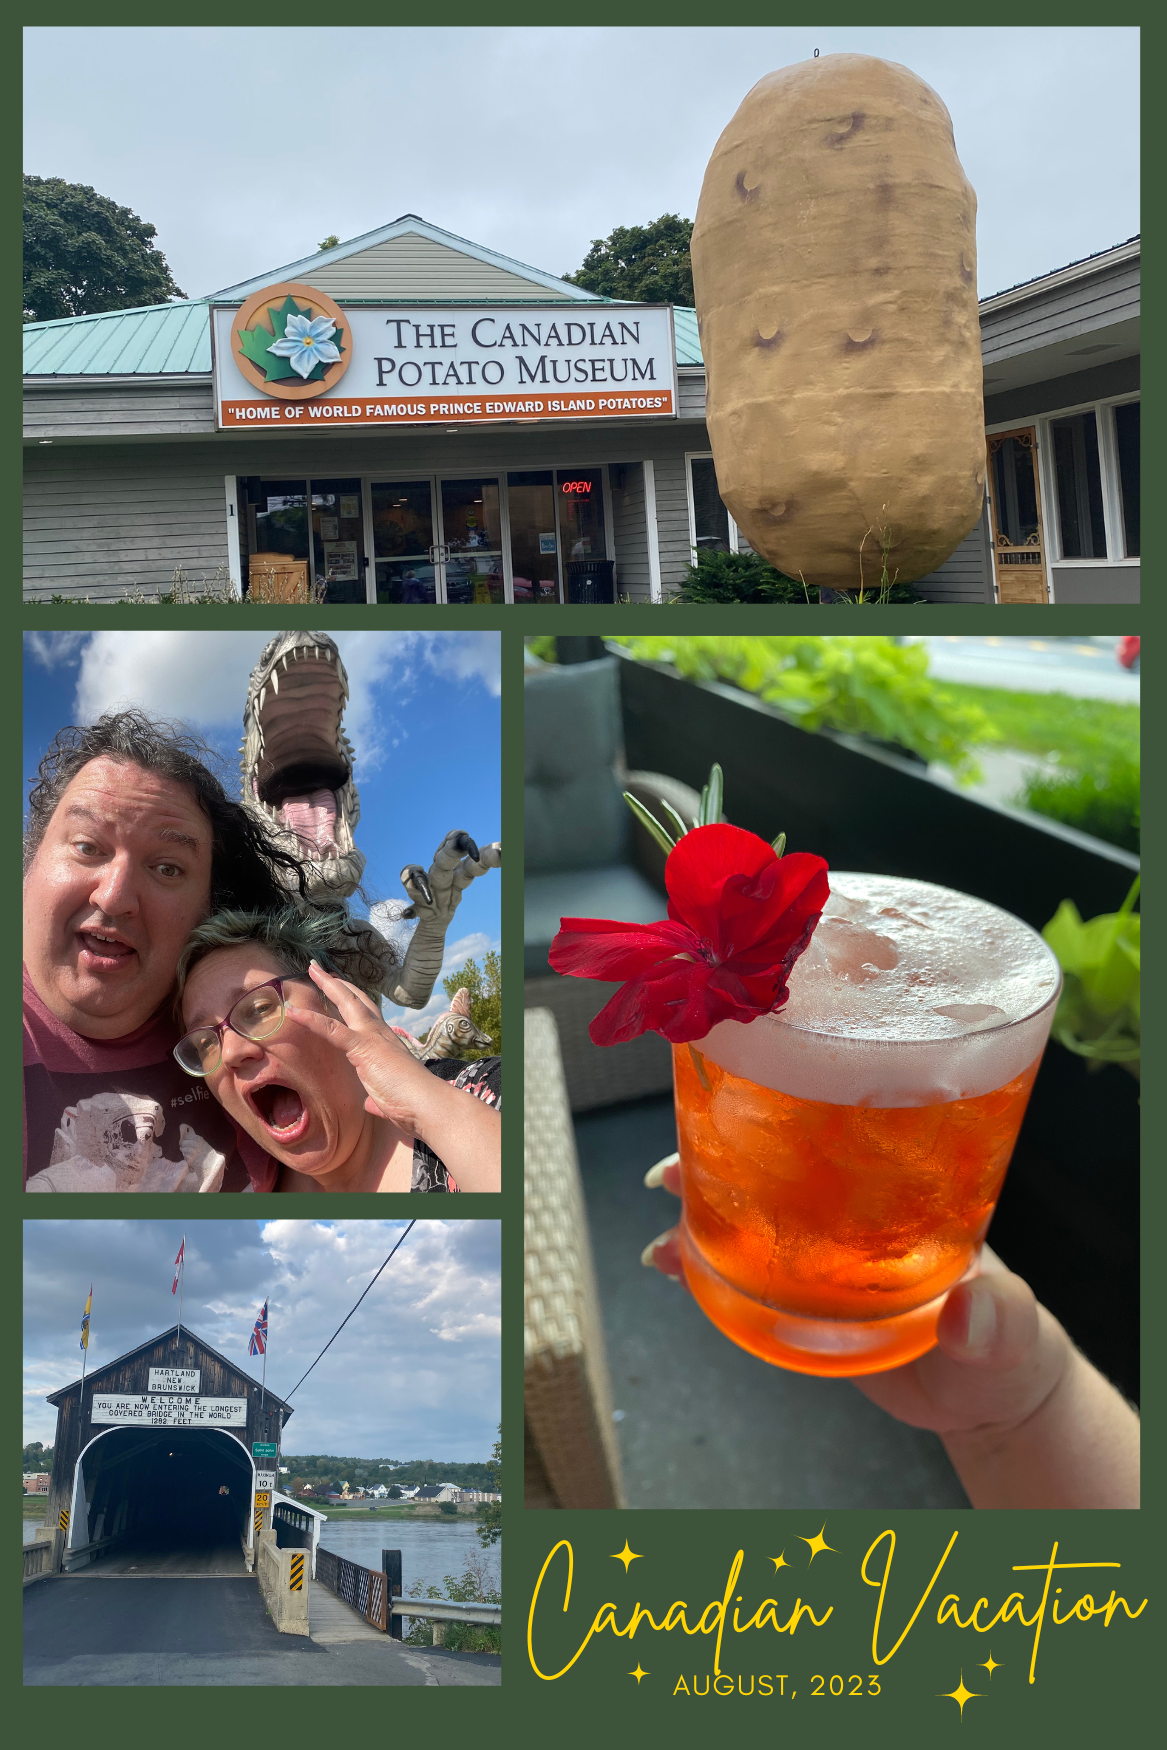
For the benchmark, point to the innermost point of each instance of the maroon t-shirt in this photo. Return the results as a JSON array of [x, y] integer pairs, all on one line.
[[120, 1115]]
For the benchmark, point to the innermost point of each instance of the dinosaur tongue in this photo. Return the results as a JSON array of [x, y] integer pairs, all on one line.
[[312, 818]]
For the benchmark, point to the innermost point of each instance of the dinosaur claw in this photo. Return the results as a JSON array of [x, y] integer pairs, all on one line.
[[464, 843], [415, 880]]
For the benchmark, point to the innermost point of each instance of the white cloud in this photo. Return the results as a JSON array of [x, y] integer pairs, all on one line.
[[54, 649], [200, 678]]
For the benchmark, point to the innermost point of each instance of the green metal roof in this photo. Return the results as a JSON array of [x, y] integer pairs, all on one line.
[[159, 340], [688, 342], [172, 339]]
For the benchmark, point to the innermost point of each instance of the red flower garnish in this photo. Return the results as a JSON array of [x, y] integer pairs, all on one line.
[[739, 917]]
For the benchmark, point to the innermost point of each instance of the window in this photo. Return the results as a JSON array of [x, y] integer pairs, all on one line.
[[711, 528], [1126, 432], [1081, 521]]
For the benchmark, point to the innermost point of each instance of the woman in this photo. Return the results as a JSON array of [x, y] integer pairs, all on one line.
[[301, 1059]]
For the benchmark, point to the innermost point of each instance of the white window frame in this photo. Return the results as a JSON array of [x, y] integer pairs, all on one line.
[[692, 456], [1103, 411]]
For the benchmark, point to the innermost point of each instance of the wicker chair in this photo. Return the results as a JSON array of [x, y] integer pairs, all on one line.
[[586, 856], [570, 1453]]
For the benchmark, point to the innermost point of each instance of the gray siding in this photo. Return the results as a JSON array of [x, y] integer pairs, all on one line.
[[417, 267], [120, 410], [632, 577], [672, 521], [1060, 313], [1095, 583], [691, 393], [967, 576], [1019, 405], [103, 522]]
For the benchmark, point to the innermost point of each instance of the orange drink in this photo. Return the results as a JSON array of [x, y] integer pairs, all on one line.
[[841, 1159]]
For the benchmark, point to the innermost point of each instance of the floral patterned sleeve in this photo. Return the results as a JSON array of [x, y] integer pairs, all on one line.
[[483, 1080]]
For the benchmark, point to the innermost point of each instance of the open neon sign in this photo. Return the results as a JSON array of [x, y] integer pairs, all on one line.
[[580, 486]]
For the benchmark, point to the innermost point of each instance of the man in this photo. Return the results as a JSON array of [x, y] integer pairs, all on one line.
[[130, 842]]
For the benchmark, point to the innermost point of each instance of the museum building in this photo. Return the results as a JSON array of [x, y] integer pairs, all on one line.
[[413, 418]]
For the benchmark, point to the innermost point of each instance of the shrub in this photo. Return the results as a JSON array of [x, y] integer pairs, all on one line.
[[475, 1585], [865, 686], [740, 577]]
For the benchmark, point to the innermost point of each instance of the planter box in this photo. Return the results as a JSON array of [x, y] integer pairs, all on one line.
[[1068, 1217]]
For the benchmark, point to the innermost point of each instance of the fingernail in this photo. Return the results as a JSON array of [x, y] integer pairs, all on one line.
[[646, 1255], [655, 1176], [982, 1317]]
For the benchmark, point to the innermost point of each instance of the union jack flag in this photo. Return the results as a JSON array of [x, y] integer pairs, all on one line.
[[258, 1344]]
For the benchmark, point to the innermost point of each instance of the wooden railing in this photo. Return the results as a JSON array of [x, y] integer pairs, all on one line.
[[363, 1589]]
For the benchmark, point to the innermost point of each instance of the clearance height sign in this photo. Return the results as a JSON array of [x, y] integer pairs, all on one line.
[[291, 359]]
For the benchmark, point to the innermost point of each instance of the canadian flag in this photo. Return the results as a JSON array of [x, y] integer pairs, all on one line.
[[178, 1265]]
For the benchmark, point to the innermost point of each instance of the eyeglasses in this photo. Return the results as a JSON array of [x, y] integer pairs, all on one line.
[[258, 1014]]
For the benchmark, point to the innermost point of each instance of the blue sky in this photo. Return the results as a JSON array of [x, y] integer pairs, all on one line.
[[415, 1373], [423, 718]]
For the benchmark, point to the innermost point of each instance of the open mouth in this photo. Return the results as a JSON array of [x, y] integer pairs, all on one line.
[[297, 760], [280, 1110], [102, 953]]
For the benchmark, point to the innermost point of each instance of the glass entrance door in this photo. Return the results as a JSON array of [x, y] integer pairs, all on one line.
[[405, 555], [534, 536], [471, 541], [338, 540]]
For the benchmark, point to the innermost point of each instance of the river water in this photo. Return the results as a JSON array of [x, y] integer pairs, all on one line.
[[429, 1551]]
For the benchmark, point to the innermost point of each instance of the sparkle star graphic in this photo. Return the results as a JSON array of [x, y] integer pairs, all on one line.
[[627, 1556], [638, 1674], [781, 1562], [991, 1665], [817, 1545], [960, 1695]]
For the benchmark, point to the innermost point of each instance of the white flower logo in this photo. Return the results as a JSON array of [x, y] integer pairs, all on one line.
[[307, 344]]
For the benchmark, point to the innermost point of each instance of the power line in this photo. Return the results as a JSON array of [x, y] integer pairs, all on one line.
[[344, 1321]]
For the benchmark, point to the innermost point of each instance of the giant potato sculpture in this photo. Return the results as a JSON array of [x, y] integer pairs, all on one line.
[[834, 263]]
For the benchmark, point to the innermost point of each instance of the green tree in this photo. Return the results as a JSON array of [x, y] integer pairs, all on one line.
[[330, 242], [38, 1457], [490, 1512], [83, 253], [485, 987], [646, 263]]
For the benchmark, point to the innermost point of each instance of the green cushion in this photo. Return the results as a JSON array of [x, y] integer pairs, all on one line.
[[574, 816], [618, 892]]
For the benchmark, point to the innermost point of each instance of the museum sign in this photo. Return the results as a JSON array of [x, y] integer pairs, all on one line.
[[290, 359]]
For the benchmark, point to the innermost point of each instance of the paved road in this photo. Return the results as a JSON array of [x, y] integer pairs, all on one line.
[[208, 1632], [1084, 667]]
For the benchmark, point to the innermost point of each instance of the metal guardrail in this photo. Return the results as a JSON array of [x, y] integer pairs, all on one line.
[[443, 1610], [369, 1591]]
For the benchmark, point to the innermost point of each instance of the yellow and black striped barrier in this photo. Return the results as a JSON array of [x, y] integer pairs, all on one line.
[[296, 1574], [258, 1520], [64, 1521]]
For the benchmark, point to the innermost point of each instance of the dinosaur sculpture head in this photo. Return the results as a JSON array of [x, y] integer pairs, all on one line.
[[297, 760], [454, 1033]]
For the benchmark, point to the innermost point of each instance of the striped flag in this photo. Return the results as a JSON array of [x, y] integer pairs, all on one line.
[[258, 1344], [178, 1265], [85, 1319]]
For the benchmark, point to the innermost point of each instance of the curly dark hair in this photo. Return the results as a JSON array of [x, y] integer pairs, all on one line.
[[246, 867], [325, 933]]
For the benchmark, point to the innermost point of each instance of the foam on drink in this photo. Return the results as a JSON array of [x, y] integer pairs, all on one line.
[[908, 995]]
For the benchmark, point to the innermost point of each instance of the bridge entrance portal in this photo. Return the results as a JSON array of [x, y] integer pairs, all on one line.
[[174, 1501]]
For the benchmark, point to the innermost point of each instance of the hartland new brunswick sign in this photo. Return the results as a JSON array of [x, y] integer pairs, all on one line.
[[290, 359]]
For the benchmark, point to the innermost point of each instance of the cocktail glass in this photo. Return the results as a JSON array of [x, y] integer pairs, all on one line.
[[841, 1159]]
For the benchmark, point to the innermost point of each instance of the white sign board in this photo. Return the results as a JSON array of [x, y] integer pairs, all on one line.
[[171, 1412], [265, 1479], [467, 366], [173, 1379]]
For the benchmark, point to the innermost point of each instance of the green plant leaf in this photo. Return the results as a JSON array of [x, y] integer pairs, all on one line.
[[650, 823]]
